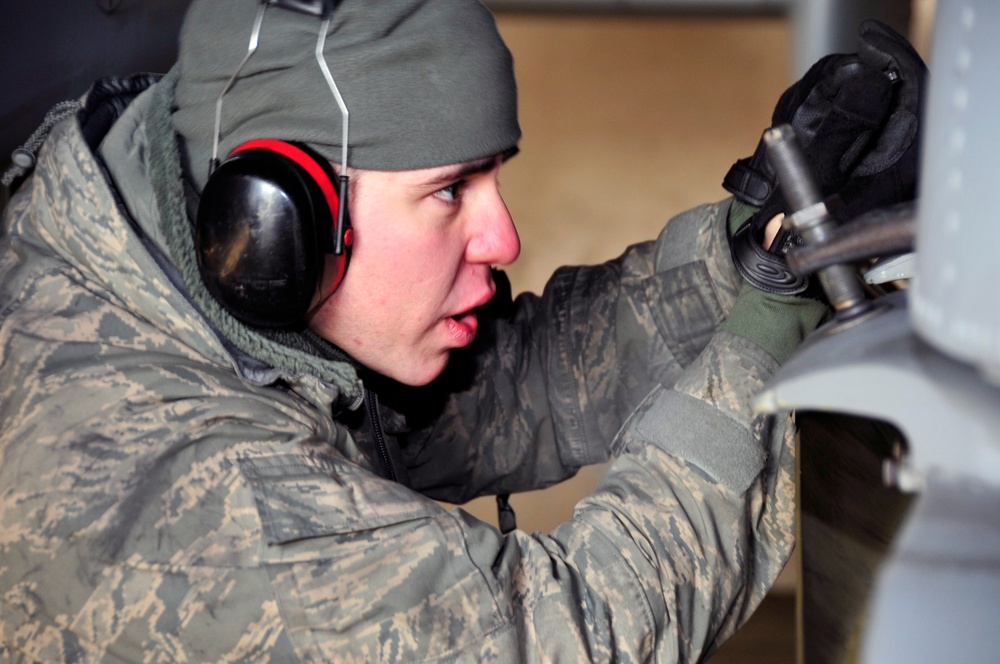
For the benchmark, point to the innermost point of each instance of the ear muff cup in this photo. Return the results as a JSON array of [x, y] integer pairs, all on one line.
[[264, 233]]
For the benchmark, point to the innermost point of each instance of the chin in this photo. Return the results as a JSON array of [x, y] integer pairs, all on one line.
[[418, 375], [420, 378]]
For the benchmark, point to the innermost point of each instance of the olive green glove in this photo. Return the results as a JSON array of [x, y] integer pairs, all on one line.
[[776, 323]]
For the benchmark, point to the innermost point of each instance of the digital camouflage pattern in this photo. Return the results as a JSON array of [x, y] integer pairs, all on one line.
[[156, 505]]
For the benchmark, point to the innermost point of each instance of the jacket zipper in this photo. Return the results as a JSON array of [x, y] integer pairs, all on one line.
[[371, 404]]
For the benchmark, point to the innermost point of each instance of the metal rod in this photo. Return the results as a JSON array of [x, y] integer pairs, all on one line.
[[811, 220]]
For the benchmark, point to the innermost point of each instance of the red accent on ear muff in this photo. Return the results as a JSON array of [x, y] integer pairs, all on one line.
[[300, 157]]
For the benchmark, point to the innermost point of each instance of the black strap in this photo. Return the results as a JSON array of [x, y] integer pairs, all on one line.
[[748, 184], [751, 179], [506, 518]]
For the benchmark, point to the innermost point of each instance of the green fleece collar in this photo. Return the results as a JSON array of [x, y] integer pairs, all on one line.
[[293, 353]]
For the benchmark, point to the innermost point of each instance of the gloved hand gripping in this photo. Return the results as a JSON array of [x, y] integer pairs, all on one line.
[[856, 117]]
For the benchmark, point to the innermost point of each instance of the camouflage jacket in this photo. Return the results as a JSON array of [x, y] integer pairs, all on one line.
[[166, 496]]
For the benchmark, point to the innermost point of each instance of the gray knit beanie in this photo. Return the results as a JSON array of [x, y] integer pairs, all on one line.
[[427, 82]]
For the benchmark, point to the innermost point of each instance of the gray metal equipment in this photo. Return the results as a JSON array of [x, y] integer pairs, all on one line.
[[927, 360]]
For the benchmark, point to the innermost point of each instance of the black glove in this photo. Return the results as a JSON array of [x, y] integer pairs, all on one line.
[[856, 117]]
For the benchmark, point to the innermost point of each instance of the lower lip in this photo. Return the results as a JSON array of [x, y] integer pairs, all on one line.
[[463, 328]]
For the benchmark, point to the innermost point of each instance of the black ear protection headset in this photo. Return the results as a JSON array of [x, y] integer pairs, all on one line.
[[272, 233]]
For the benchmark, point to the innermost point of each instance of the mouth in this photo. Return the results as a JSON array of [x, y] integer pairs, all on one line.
[[463, 327]]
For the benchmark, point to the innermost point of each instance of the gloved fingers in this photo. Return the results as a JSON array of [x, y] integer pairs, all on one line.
[[838, 131], [793, 97], [884, 49], [838, 124], [836, 109], [885, 187], [892, 143]]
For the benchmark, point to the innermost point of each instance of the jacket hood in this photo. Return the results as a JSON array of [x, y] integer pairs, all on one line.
[[126, 227]]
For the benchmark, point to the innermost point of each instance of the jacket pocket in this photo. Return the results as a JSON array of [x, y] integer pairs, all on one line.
[[304, 496], [364, 569]]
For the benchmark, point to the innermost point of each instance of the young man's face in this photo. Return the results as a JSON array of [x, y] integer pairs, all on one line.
[[424, 243]]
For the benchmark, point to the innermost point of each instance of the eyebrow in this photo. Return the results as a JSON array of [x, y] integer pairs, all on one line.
[[474, 167]]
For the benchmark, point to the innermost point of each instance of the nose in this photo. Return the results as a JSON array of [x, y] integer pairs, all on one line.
[[494, 240]]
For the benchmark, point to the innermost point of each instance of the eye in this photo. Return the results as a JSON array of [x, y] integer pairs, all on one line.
[[452, 192]]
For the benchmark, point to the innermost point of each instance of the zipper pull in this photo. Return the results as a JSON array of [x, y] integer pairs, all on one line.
[[371, 405]]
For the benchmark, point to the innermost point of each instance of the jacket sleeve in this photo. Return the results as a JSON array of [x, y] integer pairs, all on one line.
[[690, 526], [553, 377]]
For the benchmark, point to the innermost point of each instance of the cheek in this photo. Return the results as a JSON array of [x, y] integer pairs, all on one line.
[[387, 272], [373, 256], [387, 286], [411, 264]]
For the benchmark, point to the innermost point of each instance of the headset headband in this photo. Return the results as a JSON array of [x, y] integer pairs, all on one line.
[[319, 8]]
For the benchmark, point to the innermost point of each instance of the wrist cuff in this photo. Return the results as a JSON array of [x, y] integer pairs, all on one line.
[[776, 323]]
